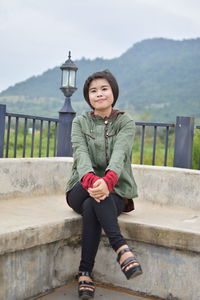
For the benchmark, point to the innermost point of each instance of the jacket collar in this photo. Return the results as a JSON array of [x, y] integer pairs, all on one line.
[[113, 115]]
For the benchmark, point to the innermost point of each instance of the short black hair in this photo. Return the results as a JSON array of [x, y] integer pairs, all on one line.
[[106, 74]]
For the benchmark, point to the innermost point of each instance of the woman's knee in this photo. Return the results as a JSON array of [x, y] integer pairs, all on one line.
[[88, 204], [76, 197]]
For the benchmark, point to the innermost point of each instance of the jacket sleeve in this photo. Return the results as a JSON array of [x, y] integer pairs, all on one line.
[[123, 146], [81, 156]]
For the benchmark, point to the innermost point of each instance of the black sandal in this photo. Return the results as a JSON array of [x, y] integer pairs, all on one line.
[[132, 272], [86, 288]]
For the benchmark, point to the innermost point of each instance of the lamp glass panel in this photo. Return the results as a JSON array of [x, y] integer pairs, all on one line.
[[72, 74], [65, 78]]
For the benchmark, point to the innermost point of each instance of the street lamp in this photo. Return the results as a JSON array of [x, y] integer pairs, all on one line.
[[68, 81], [66, 113]]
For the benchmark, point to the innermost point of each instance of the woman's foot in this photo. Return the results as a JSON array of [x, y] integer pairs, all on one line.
[[86, 286], [128, 262]]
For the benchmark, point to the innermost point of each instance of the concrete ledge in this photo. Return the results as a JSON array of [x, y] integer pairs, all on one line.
[[27, 177], [168, 186], [41, 239], [40, 235], [168, 227], [38, 239], [25, 224]]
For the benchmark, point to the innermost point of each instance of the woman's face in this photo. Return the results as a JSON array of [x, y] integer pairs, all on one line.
[[101, 96]]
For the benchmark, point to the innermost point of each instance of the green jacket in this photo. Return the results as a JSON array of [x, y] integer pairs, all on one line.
[[104, 144]]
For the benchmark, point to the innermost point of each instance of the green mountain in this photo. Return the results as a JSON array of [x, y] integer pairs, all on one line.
[[158, 78]]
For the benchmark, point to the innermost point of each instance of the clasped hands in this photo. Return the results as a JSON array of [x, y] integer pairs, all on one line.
[[99, 191]]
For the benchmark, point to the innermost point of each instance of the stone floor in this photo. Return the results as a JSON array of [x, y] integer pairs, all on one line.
[[102, 293]]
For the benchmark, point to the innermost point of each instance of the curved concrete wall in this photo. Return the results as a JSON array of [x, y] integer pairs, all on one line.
[[33, 176], [162, 185], [40, 235], [168, 186]]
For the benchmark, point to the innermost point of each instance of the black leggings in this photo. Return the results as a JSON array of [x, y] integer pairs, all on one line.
[[96, 216]]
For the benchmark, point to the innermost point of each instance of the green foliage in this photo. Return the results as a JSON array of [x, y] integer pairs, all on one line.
[[46, 151], [160, 148], [196, 150], [148, 148]]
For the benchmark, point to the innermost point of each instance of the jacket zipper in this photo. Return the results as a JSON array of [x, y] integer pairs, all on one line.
[[106, 141]]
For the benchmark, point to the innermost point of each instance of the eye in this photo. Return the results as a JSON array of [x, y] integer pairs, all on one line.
[[104, 89]]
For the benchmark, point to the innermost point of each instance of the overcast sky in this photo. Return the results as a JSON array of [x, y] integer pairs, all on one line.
[[36, 35]]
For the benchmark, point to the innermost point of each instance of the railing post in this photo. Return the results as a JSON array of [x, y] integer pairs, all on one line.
[[184, 134], [2, 127], [66, 116]]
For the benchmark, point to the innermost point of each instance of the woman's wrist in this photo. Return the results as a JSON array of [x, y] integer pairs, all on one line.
[[88, 180], [111, 179]]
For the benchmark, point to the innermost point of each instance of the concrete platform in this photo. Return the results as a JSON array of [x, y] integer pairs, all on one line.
[[40, 235], [42, 220], [39, 238], [102, 293]]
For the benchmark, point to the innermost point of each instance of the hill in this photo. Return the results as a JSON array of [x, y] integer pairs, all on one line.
[[158, 79]]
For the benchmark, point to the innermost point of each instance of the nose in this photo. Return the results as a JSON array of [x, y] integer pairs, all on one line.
[[99, 93]]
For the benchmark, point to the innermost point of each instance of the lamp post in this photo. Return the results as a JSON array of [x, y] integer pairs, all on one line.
[[66, 113]]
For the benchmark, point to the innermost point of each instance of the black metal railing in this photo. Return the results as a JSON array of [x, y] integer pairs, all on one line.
[[44, 137], [155, 126], [30, 125]]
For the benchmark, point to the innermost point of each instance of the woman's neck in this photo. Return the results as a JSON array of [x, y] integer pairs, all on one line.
[[102, 113]]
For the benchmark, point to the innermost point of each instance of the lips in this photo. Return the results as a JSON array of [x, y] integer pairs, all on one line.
[[100, 100]]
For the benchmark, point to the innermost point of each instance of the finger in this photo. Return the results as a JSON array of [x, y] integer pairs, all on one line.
[[102, 198], [97, 200], [97, 183], [92, 192], [96, 193], [94, 189], [97, 196]]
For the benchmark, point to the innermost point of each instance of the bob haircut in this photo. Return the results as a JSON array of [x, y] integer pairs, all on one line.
[[106, 74]]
